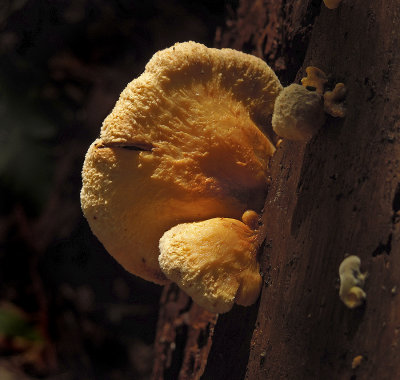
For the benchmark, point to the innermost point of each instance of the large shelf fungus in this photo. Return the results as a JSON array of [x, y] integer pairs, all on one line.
[[185, 143], [182, 156]]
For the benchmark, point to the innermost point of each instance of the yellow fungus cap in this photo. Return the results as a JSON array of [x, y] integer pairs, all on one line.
[[315, 79], [214, 261], [357, 360], [183, 143], [334, 101], [332, 4]]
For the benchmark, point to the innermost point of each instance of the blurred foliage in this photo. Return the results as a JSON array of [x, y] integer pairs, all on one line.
[[26, 162], [21, 338], [15, 324]]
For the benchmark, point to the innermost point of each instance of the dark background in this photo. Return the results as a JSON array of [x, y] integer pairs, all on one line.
[[67, 309]]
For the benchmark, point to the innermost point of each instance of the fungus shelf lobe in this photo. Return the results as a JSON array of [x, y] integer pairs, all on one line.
[[214, 261]]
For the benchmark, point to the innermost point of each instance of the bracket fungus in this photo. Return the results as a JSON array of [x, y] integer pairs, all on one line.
[[298, 113], [351, 282], [214, 261], [180, 159], [316, 79], [183, 144], [332, 4], [334, 101]]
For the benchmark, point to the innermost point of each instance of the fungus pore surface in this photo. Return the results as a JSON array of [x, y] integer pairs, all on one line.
[[185, 143]]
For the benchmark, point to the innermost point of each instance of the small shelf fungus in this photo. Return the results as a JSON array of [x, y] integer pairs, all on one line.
[[351, 282], [315, 80], [332, 4], [214, 261], [334, 101], [180, 160], [298, 114]]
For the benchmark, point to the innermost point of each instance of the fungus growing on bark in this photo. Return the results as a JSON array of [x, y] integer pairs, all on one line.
[[182, 157], [332, 4], [351, 282], [214, 261], [356, 362], [185, 143], [334, 101], [298, 113], [315, 79]]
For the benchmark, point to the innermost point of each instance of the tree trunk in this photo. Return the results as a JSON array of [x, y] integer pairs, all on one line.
[[337, 195]]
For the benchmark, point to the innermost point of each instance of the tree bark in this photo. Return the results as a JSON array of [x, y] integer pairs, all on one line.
[[339, 194], [183, 338]]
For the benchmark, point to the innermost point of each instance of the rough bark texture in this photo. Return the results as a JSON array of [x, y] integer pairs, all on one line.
[[183, 337], [275, 30], [337, 195]]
